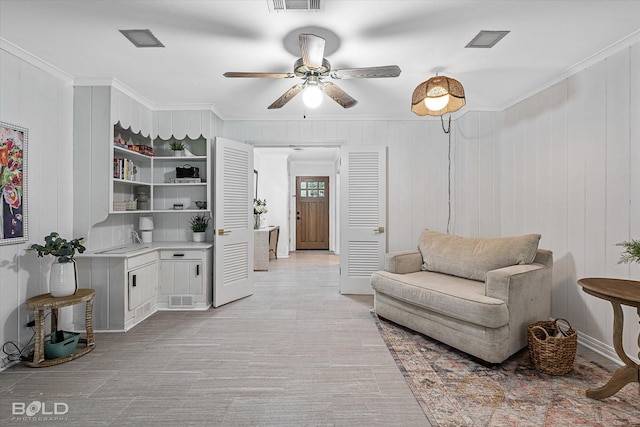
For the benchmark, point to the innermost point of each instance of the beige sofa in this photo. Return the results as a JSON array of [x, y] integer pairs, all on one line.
[[477, 295]]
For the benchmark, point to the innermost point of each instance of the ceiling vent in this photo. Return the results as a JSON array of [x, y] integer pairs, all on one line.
[[487, 39], [295, 5], [142, 38]]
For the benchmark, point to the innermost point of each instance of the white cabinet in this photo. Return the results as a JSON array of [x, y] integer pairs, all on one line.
[[126, 288], [185, 279], [141, 282], [141, 289]]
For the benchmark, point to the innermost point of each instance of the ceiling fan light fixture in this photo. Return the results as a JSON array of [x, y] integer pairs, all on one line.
[[312, 96], [437, 96]]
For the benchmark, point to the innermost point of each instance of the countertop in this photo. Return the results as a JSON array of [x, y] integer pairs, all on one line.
[[134, 249]]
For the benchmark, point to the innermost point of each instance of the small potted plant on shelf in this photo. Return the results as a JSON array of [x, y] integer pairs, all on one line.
[[177, 147], [63, 276], [199, 224]]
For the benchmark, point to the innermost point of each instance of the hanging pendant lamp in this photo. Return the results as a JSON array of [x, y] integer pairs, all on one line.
[[437, 96]]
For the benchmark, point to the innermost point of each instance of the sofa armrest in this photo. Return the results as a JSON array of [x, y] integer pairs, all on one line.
[[403, 262], [526, 289]]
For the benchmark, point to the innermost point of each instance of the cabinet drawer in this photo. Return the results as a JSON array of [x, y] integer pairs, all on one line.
[[137, 261], [177, 255]]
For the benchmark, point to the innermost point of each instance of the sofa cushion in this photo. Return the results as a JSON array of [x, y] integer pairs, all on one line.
[[452, 296], [472, 258]]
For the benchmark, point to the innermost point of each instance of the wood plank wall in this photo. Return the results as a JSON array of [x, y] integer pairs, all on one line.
[[562, 163]]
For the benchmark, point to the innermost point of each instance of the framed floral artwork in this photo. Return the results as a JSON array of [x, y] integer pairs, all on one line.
[[13, 184]]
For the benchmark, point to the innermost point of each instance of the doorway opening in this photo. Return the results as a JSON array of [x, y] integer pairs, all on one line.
[[279, 169]]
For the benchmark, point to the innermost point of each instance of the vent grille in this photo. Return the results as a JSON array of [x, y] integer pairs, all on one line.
[[295, 5], [363, 190], [236, 262], [181, 301], [363, 258]]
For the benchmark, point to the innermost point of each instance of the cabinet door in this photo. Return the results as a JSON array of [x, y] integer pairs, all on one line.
[[181, 277], [141, 284]]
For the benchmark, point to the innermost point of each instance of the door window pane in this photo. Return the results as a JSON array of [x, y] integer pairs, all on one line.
[[321, 185], [303, 193], [321, 193], [312, 185], [303, 184]]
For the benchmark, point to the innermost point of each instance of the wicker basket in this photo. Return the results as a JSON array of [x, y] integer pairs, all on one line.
[[119, 206], [552, 349]]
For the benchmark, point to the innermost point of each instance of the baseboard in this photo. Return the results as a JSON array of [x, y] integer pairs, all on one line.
[[601, 348]]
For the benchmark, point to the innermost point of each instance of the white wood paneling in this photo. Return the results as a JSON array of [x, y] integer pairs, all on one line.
[[565, 167], [32, 98], [416, 202]]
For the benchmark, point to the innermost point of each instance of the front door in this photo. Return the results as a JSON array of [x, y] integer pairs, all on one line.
[[312, 212]]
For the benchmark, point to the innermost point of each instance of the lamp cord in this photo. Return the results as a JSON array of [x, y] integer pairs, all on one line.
[[448, 132]]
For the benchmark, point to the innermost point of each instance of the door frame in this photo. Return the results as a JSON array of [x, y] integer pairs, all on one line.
[[327, 196], [334, 203], [334, 182]]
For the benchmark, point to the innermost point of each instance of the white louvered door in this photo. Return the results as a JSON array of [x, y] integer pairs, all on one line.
[[363, 216], [233, 219]]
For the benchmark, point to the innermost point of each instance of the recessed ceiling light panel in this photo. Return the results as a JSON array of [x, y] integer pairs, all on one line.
[[487, 39], [142, 38]]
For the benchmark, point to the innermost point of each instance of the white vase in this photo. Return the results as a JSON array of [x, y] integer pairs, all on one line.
[[198, 236], [256, 221], [178, 153], [62, 279]]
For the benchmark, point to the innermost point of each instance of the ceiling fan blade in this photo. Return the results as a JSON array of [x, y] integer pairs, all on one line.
[[367, 72], [280, 102], [337, 94], [260, 75], [312, 48]]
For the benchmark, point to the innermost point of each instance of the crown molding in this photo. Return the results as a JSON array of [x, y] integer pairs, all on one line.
[[116, 84], [190, 107], [35, 61], [624, 43]]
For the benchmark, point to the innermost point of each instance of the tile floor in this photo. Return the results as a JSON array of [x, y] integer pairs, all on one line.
[[296, 353]]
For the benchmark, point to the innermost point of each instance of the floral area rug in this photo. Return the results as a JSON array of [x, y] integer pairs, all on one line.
[[455, 390]]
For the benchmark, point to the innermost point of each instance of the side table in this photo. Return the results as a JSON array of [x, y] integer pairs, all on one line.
[[616, 291], [43, 302]]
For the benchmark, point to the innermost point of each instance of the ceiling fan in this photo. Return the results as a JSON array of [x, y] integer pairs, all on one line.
[[313, 68]]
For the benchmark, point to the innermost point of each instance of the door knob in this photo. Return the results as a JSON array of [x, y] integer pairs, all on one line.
[[222, 232], [378, 230]]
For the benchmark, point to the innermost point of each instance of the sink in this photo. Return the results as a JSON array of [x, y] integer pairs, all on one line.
[[123, 249]]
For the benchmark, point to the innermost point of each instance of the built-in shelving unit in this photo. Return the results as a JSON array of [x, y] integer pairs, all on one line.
[[143, 165]]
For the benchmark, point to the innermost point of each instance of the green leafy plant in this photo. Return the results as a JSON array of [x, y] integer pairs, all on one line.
[[199, 223], [60, 248], [176, 145], [631, 251]]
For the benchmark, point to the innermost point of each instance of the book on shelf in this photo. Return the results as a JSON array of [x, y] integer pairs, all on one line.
[[124, 169]]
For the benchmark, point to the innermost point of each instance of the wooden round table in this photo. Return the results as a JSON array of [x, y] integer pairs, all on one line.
[[44, 302], [618, 292]]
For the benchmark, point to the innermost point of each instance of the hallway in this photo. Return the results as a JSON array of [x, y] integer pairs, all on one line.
[[294, 353]]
